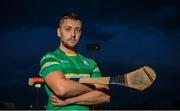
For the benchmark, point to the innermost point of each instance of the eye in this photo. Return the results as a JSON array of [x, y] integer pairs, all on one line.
[[67, 29], [78, 30]]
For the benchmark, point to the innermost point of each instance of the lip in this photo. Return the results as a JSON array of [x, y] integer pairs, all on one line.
[[72, 41]]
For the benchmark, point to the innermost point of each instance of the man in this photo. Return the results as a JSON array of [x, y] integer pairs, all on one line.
[[65, 62]]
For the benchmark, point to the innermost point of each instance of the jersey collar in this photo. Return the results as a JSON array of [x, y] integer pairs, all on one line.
[[68, 54]]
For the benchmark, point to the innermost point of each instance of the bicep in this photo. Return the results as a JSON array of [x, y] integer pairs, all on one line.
[[55, 80], [64, 87]]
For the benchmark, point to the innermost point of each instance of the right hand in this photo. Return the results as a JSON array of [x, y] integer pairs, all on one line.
[[57, 101]]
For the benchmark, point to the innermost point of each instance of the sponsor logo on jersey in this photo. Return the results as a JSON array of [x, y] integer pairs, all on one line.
[[64, 61], [47, 56]]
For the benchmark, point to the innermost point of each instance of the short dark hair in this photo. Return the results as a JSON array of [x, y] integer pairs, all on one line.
[[71, 15]]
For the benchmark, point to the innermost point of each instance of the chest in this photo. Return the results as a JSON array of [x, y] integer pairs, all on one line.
[[75, 65]]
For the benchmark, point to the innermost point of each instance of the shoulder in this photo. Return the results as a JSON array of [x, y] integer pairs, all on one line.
[[91, 60], [49, 55]]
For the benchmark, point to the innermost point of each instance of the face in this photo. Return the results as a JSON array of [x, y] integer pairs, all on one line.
[[69, 32]]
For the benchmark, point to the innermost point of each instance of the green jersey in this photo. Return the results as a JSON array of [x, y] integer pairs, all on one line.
[[73, 66]]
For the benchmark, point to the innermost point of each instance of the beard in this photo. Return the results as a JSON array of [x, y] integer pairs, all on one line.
[[68, 45]]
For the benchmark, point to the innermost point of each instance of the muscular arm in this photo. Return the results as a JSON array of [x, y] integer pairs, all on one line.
[[63, 87], [91, 98]]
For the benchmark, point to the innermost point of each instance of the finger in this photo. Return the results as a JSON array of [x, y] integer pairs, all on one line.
[[53, 96], [54, 103], [57, 103], [54, 100]]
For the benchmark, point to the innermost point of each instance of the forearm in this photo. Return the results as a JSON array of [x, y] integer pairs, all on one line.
[[92, 98], [73, 88]]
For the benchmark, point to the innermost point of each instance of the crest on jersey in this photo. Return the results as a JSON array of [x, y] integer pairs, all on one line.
[[85, 62]]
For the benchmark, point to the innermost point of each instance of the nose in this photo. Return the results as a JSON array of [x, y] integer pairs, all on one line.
[[73, 33]]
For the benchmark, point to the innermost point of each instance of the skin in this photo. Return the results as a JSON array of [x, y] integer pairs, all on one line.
[[91, 98], [70, 32]]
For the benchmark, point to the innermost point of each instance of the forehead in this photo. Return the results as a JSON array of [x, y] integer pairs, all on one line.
[[72, 23]]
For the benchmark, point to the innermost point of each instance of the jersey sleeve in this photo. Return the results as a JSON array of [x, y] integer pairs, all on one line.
[[49, 63], [95, 69]]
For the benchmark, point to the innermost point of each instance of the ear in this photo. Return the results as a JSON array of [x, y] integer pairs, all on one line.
[[58, 32]]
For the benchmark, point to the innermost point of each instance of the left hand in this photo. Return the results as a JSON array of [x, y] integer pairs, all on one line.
[[57, 101]]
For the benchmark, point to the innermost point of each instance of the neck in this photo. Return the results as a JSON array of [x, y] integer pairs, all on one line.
[[67, 50]]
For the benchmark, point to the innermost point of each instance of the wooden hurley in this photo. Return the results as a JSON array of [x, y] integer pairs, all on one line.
[[139, 79]]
